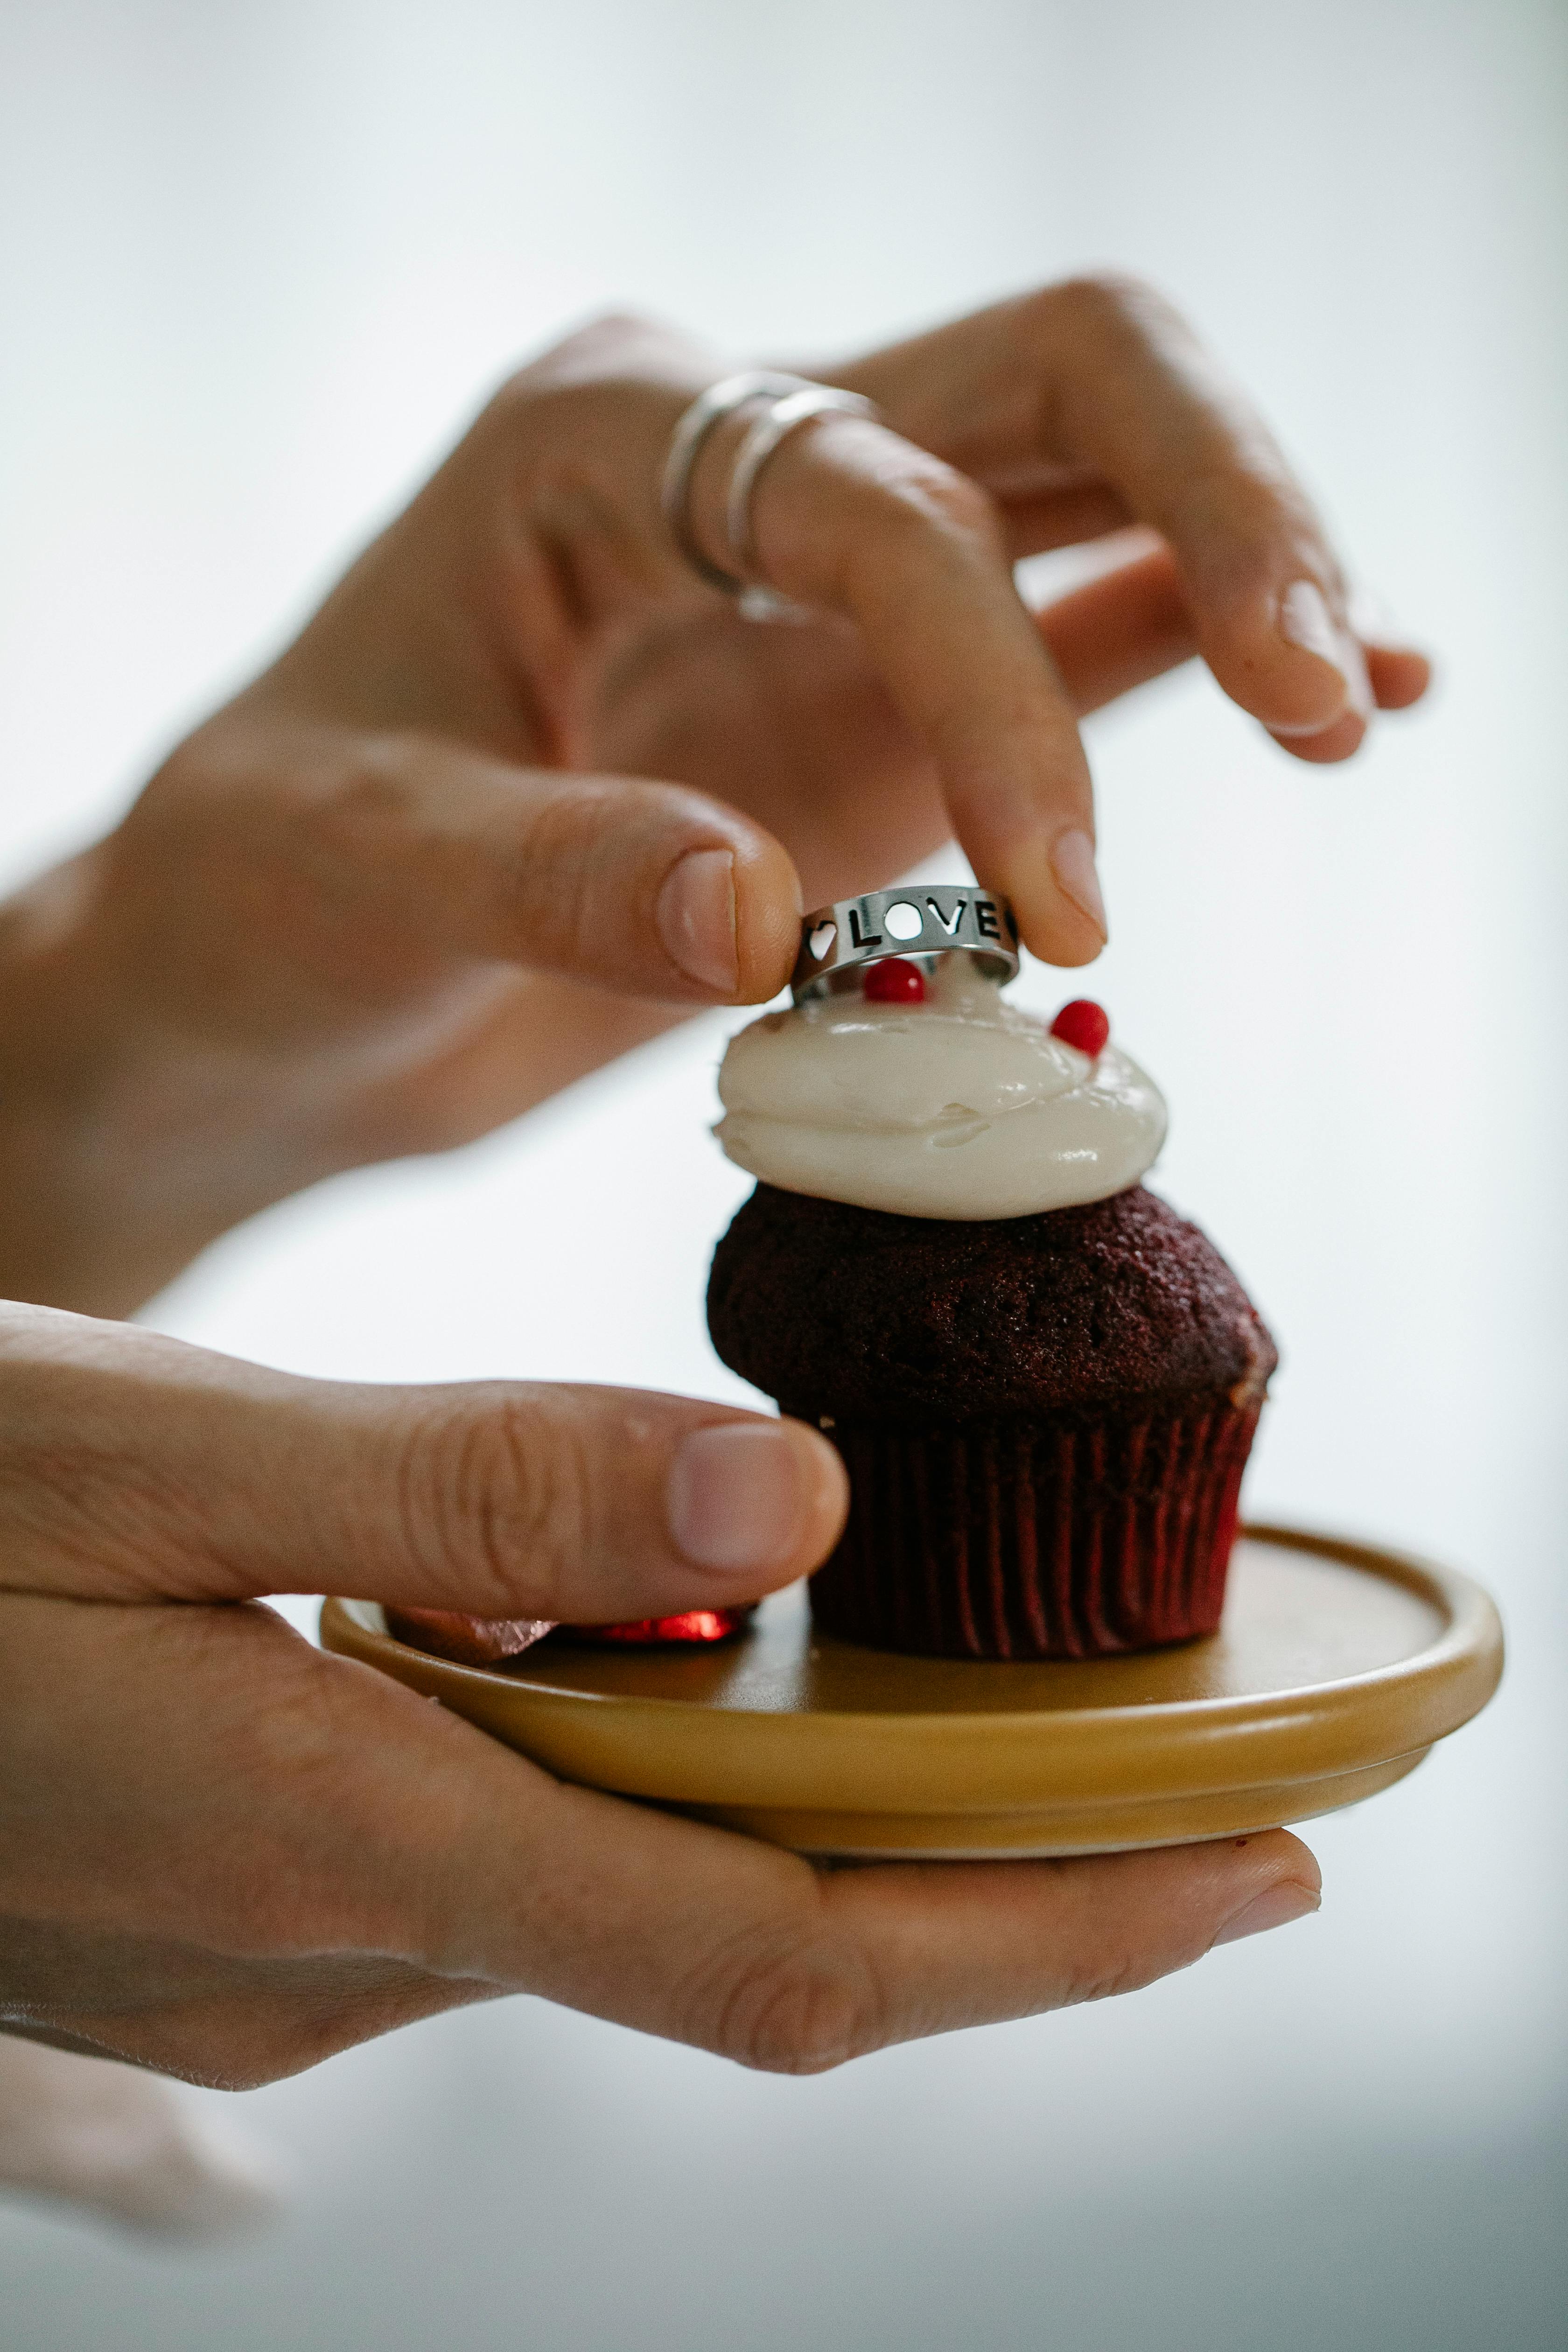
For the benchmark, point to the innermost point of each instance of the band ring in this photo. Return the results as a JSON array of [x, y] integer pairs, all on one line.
[[773, 425], [930, 921], [794, 400], [719, 400]]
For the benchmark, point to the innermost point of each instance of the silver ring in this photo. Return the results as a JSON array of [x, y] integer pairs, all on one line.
[[923, 923], [773, 425], [719, 400]]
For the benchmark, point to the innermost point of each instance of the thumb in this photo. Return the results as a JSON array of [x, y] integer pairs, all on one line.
[[135, 1468], [401, 855]]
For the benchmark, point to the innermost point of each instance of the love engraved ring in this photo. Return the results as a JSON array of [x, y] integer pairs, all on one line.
[[914, 923]]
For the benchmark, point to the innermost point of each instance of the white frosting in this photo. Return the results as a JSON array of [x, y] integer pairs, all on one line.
[[962, 1107]]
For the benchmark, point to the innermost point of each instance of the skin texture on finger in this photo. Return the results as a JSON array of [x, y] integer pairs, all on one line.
[[792, 721], [1099, 382], [1037, 521], [404, 870], [1118, 632], [134, 1468], [1133, 623], [821, 743], [850, 518], [748, 1951], [752, 1953], [225, 1854]]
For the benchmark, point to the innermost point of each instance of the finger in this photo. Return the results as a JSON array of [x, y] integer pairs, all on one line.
[[397, 856], [849, 518], [1118, 631], [1036, 522], [132, 1468], [1099, 377], [744, 1950], [1399, 676], [1133, 623], [1400, 670]]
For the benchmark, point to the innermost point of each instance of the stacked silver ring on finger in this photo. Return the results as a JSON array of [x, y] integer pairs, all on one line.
[[792, 401]]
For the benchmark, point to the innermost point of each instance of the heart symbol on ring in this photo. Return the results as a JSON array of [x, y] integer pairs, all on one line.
[[821, 939]]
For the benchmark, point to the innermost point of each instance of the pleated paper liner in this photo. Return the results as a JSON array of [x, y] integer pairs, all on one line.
[[1079, 1536]]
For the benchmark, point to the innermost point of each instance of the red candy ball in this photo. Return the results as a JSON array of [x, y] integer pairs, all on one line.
[[1083, 1023], [895, 981]]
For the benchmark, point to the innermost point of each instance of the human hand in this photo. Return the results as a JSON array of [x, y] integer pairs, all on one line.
[[225, 1855], [525, 789]]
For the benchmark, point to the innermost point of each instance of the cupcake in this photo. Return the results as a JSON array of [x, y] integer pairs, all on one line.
[[1043, 1381]]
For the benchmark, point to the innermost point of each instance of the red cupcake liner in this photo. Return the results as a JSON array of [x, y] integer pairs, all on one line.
[[1076, 1537]]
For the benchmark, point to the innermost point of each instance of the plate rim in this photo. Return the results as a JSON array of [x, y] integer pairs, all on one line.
[[1078, 1755]]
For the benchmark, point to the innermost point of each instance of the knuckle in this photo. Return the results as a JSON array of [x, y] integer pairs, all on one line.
[[346, 801], [564, 866], [923, 499], [607, 327], [1255, 529], [802, 2007], [605, 336], [1114, 1973], [617, 345], [1109, 302], [300, 811], [496, 1497], [591, 859], [614, 327]]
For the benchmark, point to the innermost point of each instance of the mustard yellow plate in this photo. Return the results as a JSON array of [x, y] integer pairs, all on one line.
[[1337, 1667]]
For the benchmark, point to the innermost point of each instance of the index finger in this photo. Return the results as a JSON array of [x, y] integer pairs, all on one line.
[[848, 517]]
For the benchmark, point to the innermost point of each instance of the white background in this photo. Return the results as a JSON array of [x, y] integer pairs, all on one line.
[[258, 264]]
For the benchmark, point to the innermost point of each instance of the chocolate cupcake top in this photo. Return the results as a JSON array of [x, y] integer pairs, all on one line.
[[840, 1311]]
